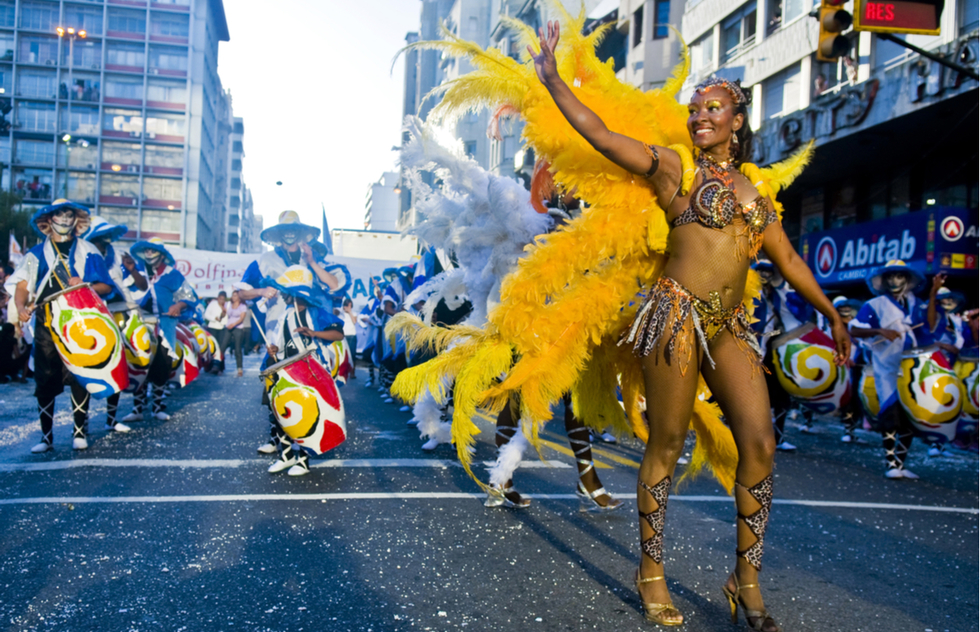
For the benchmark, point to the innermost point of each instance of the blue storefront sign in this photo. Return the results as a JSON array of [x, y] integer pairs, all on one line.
[[932, 240]]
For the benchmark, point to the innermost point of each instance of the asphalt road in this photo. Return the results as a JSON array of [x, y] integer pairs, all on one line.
[[177, 526]]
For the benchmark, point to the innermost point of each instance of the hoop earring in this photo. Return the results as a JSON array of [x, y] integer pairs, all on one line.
[[734, 147]]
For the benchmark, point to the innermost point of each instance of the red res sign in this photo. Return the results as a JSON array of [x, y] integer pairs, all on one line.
[[898, 17]]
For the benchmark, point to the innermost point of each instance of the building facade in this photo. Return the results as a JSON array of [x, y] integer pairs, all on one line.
[[126, 119], [383, 203]]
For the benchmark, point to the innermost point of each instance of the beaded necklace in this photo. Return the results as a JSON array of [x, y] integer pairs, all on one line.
[[717, 170]]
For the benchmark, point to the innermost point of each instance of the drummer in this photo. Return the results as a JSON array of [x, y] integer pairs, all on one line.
[[890, 323], [170, 299], [61, 261], [945, 321], [308, 323], [392, 301], [852, 414], [127, 280], [778, 309]]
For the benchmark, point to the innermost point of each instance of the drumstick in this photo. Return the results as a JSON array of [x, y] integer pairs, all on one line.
[[878, 342], [261, 330]]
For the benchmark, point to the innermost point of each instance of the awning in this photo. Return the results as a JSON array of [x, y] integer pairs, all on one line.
[[932, 240]]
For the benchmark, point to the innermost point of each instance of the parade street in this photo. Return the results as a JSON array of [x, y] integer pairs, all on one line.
[[178, 526]]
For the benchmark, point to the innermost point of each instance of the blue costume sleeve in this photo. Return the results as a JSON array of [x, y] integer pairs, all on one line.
[[799, 307], [252, 276], [326, 321], [868, 317]]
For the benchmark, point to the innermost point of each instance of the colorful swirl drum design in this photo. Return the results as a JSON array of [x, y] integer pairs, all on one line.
[[930, 392], [804, 362], [306, 403]]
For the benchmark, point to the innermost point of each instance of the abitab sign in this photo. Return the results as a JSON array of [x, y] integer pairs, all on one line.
[[931, 240]]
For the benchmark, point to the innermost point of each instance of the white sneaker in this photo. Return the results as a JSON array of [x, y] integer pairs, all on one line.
[[267, 448], [607, 437], [79, 443], [807, 429], [381, 389], [935, 450], [44, 446], [281, 465], [412, 422], [368, 384], [786, 446], [912, 476], [430, 445], [134, 416], [894, 473], [405, 409], [389, 400], [846, 438], [119, 427], [298, 470], [162, 416]]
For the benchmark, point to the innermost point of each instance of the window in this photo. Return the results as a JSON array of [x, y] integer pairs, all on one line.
[[124, 89], [33, 184], [6, 79], [233, 220], [174, 3], [239, 127], [127, 23], [39, 17], [87, 54], [781, 93], [162, 192], [738, 32], [236, 183], [661, 19], [35, 49], [7, 12], [128, 217], [703, 54], [163, 156], [969, 16], [83, 155], [236, 165], [76, 186], [163, 92], [7, 46], [121, 157], [123, 121], [120, 189], [34, 152], [35, 117], [165, 124], [169, 26], [84, 87], [37, 83], [470, 148], [164, 223], [81, 17], [84, 121], [125, 57], [168, 59], [637, 26], [235, 202], [781, 12]]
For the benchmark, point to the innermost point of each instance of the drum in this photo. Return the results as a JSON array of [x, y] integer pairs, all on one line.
[[966, 370], [88, 339], [203, 346], [340, 363], [930, 393], [868, 393], [140, 344], [188, 366], [306, 402], [804, 362]]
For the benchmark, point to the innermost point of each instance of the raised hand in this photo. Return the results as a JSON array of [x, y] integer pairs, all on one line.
[[544, 62], [937, 282]]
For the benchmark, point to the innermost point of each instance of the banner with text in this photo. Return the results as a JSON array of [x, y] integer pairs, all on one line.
[[212, 272]]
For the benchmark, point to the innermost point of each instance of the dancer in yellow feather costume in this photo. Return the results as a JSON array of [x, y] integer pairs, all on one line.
[[564, 311]]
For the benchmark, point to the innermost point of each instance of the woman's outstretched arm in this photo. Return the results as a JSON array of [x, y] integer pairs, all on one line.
[[628, 153]]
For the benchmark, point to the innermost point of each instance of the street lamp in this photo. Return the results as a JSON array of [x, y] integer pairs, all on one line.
[[71, 33]]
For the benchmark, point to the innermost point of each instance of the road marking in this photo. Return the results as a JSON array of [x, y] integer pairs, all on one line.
[[78, 500], [562, 449], [615, 458], [236, 463]]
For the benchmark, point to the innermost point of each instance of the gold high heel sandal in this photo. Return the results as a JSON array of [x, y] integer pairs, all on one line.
[[660, 613], [756, 619]]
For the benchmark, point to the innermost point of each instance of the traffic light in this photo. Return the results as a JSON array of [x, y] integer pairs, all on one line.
[[921, 17], [834, 20]]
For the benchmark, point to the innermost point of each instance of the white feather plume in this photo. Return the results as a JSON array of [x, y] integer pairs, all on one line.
[[509, 458]]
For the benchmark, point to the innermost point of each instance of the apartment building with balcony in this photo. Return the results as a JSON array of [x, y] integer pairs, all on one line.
[[123, 119], [382, 204]]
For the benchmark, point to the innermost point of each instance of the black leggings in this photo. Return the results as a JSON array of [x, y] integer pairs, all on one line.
[[236, 338]]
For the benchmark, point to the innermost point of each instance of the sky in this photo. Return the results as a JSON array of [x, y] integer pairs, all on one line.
[[322, 106]]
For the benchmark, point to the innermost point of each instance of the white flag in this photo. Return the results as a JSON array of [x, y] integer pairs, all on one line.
[[16, 255]]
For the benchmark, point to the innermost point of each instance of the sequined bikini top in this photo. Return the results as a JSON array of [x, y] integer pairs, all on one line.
[[714, 205]]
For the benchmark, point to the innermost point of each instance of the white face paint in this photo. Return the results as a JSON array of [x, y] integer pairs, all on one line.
[[896, 283], [289, 238], [63, 224], [152, 257], [765, 276], [949, 304]]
